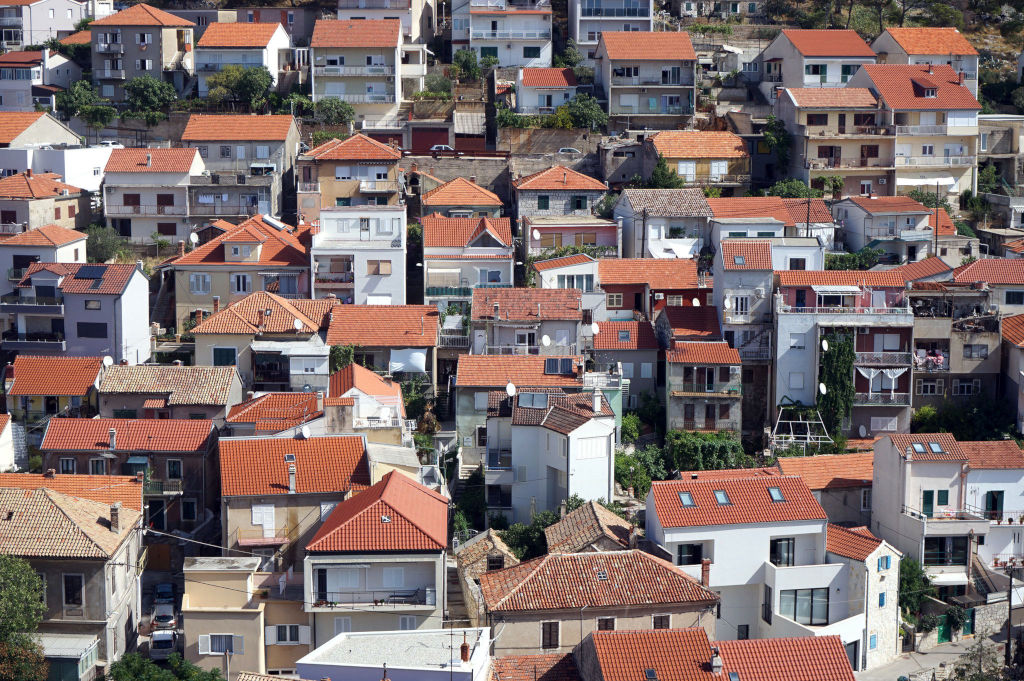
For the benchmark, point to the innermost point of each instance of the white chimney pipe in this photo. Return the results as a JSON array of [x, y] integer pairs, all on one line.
[[291, 479], [597, 401], [113, 439]]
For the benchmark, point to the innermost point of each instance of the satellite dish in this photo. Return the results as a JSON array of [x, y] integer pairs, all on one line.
[[108, 360], [595, 328], [297, 324], [696, 302], [536, 235], [194, 238], [861, 430], [824, 345], [822, 389], [727, 304], [510, 389], [545, 340], [307, 388], [304, 432]]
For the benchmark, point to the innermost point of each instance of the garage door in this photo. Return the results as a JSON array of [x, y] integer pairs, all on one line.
[[424, 138]]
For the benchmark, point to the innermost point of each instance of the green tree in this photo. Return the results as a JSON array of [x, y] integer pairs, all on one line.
[[97, 116], [559, 119], [333, 111], [586, 112], [571, 57], [778, 140], [988, 179], [978, 418], [983, 660], [320, 136], [793, 188], [466, 64], [488, 62], [630, 473], [663, 177], [104, 243], [246, 84], [630, 427], [81, 94], [134, 667], [1018, 99], [606, 205], [834, 185], [930, 200], [836, 373], [712, 192], [527, 540], [83, 24], [147, 98], [21, 610], [692, 451], [864, 259], [342, 356], [915, 586], [437, 82], [473, 500]]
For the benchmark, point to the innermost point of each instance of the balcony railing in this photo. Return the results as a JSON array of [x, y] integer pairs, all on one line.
[[457, 341], [145, 209], [843, 130], [852, 162], [335, 278], [511, 35], [309, 187], [541, 110], [703, 424], [882, 398], [373, 186], [108, 48], [716, 179], [929, 363], [499, 459], [392, 422], [921, 129], [884, 358], [700, 387], [14, 339], [651, 81], [381, 98], [373, 4], [943, 161], [161, 487], [383, 598], [772, 78], [945, 514], [224, 209], [627, 110], [367, 70], [10, 21], [616, 12], [112, 74], [449, 291], [530, 350], [852, 309], [383, 123]]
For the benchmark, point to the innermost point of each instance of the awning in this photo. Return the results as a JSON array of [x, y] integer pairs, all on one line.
[[949, 578], [469, 122], [291, 350], [411, 360], [944, 181], [836, 290], [138, 460]]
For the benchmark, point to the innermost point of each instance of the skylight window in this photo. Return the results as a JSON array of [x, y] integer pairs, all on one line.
[[935, 447], [686, 499], [533, 400], [734, 676], [776, 494], [739, 260], [930, 92], [919, 447], [650, 675], [289, 458], [721, 497], [624, 336], [602, 575]]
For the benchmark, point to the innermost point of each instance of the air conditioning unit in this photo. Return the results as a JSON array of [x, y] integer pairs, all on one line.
[[659, 296], [881, 180], [759, 293]]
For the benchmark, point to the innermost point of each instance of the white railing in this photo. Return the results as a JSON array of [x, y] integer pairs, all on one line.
[[946, 161], [110, 73], [393, 422], [920, 129], [147, 209], [371, 70], [511, 35], [378, 185], [309, 187], [884, 398], [652, 81], [383, 123], [884, 358], [382, 98]]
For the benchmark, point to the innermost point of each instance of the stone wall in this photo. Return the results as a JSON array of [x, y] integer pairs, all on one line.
[[543, 140]]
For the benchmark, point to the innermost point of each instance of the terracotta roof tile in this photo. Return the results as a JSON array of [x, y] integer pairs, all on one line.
[[1012, 329], [220, 127], [993, 455], [693, 323], [565, 412], [584, 526], [131, 435], [811, 658], [929, 267], [833, 97], [519, 304], [106, 489], [442, 232], [550, 667], [527, 371], [249, 315], [279, 248], [65, 376], [948, 447], [43, 523], [559, 178], [545, 78], [946, 226], [929, 41], [564, 261], [749, 501], [660, 274], [831, 471], [877, 278], [367, 382], [669, 202], [142, 15], [558, 581], [101, 279], [882, 205], [485, 543], [731, 473], [638, 336], [751, 207], [21, 58], [274, 412], [46, 235], [358, 147], [993, 270], [846, 542], [362, 33], [662, 46], [182, 385], [902, 87], [674, 144], [160, 160], [77, 38], [416, 520], [256, 466], [14, 123], [376, 326], [703, 353], [460, 192], [819, 209], [828, 43], [747, 254], [238, 34]]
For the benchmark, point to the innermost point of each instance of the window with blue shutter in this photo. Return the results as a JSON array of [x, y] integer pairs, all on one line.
[[881, 600], [873, 642]]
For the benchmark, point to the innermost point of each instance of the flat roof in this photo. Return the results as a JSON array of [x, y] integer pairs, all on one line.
[[223, 563], [421, 648]]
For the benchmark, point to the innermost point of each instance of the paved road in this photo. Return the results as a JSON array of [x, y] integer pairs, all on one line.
[[909, 663]]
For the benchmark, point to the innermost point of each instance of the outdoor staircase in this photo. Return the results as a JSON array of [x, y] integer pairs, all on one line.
[[20, 446], [457, 615], [161, 308]]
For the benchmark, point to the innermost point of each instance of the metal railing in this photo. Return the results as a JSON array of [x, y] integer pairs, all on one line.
[[511, 35], [615, 12], [453, 341], [378, 185], [373, 4], [943, 514], [843, 130], [393, 422], [386, 597], [15, 299], [921, 129], [700, 424], [854, 162], [382, 98], [882, 398], [884, 358], [144, 209], [772, 78], [109, 48], [653, 81], [720, 178], [10, 21], [530, 349], [628, 110], [161, 487], [224, 209], [732, 389], [499, 459], [450, 291], [852, 309], [40, 337], [367, 70], [383, 123], [114, 74], [309, 187], [944, 161]]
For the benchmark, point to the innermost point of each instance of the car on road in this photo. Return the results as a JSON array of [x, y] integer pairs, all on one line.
[[442, 147], [163, 592], [569, 150], [162, 644], [164, 617]]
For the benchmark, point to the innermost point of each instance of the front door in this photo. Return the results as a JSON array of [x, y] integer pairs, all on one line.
[[842, 129], [638, 301], [943, 631], [851, 653], [994, 505], [911, 253], [709, 417], [928, 502], [156, 514], [801, 298]]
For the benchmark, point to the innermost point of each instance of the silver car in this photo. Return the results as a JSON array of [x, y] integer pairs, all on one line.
[[164, 617]]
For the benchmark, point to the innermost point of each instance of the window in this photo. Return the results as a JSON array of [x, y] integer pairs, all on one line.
[[796, 341], [689, 554], [798, 263], [188, 510], [287, 633], [661, 622], [613, 300], [873, 641], [606, 624], [946, 550], [174, 469], [586, 238], [865, 500], [933, 386], [975, 351], [743, 632], [92, 304], [579, 203], [806, 606], [224, 357], [74, 593], [549, 635], [881, 600], [262, 151], [865, 188], [220, 644], [91, 330], [378, 267], [686, 499], [552, 240], [342, 625], [241, 283], [480, 401], [776, 494], [199, 283], [1014, 298], [392, 577], [884, 563], [796, 380], [531, 52], [204, 151], [647, 370], [488, 52], [97, 466], [782, 552], [495, 563], [225, 151], [942, 497], [817, 119], [927, 149], [56, 213], [543, 202], [722, 497]]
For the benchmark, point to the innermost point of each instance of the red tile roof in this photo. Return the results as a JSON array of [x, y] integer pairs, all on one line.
[[565, 412], [361, 33], [949, 448], [749, 501], [751, 207], [819, 209], [929, 267], [238, 34], [564, 261], [367, 382], [358, 147], [851, 543], [21, 59], [747, 254], [442, 232], [181, 385], [831, 471], [378, 326], [674, 144], [77, 38], [460, 192], [693, 323], [526, 371], [640, 336], [1013, 329], [274, 412], [558, 581], [584, 526], [833, 97], [660, 274], [993, 455], [47, 235], [112, 281], [810, 658], [159, 160], [548, 78], [828, 43], [131, 435], [14, 123], [64, 376], [993, 270], [249, 315], [279, 248], [662, 46], [232, 127], [550, 667], [946, 226], [396, 514], [142, 15], [929, 41], [703, 353], [329, 464], [896, 277], [902, 87], [559, 178], [108, 489], [883, 205], [518, 304]]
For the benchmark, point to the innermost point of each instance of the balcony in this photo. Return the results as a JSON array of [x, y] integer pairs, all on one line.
[[499, 459], [705, 424], [626, 110], [853, 162], [649, 81], [17, 304], [144, 209], [613, 12], [162, 487], [336, 279], [393, 598], [42, 342], [511, 35], [385, 123], [887, 359], [16, 273], [530, 350], [708, 179], [240, 209], [456, 341], [373, 4], [921, 129], [260, 536], [381, 98], [948, 522], [702, 389], [449, 291], [819, 131], [378, 186], [109, 74], [772, 78], [10, 21], [931, 363], [309, 187], [881, 399], [371, 70], [898, 308], [937, 161], [106, 48], [393, 422]]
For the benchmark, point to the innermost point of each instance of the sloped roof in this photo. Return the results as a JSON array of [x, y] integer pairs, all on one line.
[[639, 336], [880, 205], [365, 381], [857, 545], [559, 178], [159, 160], [932, 40], [238, 34], [746, 254], [249, 315], [106, 489], [903, 86], [14, 123], [669, 202], [929, 267], [751, 207], [77, 38], [897, 277], [188, 436], [358, 147], [396, 514], [29, 185], [993, 270], [443, 232], [948, 447], [478, 547], [99, 279], [279, 248], [659, 274], [549, 667], [946, 226], [749, 501], [831, 471], [693, 323], [703, 353], [660, 46], [563, 413], [527, 303], [495, 371], [809, 658], [549, 78], [63, 376], [256, 466], [236, 127], [584, 526], [828, 43], [993, 455], [353, 33], [274, 412], [194, 385], [1012, 329], [559, 581], [564, 261], [46, 235], [833, 97], [375, 326], [460, 192], [819, 209], [142, 15], [699, 144]]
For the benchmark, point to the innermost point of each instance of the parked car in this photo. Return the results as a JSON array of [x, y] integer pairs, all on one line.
[[569, 150], [442, 147], [163, 592], [164, 617], [162, 644]]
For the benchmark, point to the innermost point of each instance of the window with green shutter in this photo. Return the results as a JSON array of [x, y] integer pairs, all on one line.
[[543, 202]]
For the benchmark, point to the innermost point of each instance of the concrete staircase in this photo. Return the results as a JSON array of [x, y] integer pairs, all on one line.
[[457, 615]]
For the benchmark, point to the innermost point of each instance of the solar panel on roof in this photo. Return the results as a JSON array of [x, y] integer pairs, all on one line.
[[91, 272]]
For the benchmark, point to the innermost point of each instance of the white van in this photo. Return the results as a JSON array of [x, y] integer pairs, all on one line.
[[162, 644]]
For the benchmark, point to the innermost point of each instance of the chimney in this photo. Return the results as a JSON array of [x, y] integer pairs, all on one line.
[[565, 177], [464, 649], [597, 402], [320, 400], [561, 509], [50, 473], [634, 536], [960, 77], [249, 395], [140, 477], [705, 572], [472, 178], [115, 517], [113, 439], [930, 69], [138, 266], [199, 317], [28, 173], [181, 248], [497, 315], [291, 478], [716, 661], [216, 304], [149, 160]]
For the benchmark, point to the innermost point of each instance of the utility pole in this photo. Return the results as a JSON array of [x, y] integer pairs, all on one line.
[[1009, 617]]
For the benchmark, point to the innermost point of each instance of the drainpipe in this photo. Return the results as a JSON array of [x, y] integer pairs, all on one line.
[[867, 601]]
